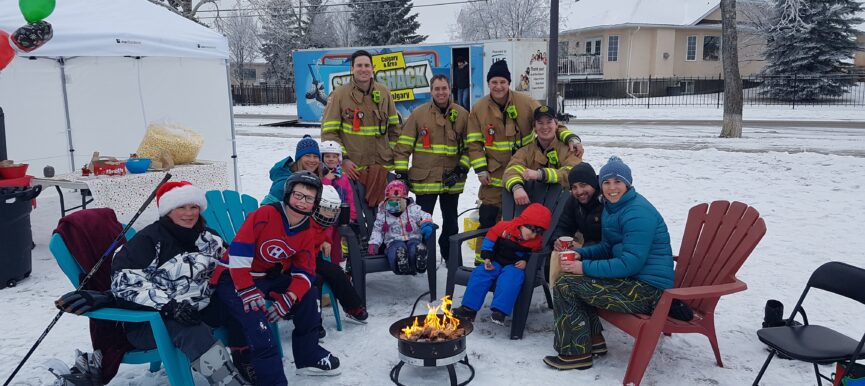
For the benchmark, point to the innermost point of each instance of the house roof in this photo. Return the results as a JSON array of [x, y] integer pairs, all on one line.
[[591, 14]]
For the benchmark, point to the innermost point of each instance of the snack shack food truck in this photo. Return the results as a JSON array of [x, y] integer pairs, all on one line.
[[407, 69]]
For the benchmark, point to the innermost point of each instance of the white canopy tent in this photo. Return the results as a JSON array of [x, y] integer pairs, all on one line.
[[113, 67]]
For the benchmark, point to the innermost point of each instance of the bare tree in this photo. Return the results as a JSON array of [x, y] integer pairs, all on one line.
[[499, 19], [186, 8], [344, 29], [240, 28], [732, 126]]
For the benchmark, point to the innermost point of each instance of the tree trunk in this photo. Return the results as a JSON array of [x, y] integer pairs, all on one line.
[[732, 126]]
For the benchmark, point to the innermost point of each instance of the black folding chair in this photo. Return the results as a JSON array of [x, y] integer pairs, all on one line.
[[551, 196], [361, 262], [815, 344]]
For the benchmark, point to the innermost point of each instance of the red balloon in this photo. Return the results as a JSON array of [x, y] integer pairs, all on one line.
[[6, 51]]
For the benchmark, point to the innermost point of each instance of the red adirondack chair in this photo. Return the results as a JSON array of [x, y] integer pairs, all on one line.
[[718, 238]]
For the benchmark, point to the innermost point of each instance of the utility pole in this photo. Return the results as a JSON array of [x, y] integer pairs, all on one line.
[[553, 55]]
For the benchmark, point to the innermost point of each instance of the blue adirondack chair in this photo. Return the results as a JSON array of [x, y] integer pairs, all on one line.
[[177, 366], [226, 211]]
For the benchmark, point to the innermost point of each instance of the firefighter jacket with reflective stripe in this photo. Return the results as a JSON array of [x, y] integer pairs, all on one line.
[[436, 143], [554, 163], [497, 132], [365, 124]]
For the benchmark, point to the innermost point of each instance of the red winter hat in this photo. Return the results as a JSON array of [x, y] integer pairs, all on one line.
[[175, 194]]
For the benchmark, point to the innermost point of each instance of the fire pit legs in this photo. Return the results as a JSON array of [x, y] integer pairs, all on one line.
[[452, 373]]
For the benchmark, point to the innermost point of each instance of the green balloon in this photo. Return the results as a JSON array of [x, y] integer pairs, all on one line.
[[36, 10]]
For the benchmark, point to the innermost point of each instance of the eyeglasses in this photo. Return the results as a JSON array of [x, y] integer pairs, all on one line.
[[534, 228], [302, 197]]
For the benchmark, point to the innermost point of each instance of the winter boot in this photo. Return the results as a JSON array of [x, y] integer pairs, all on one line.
[[215, 365], [87, 371], [569, 362], [421, 256], [599, 345], [357, 314], [465, 313], [328, 366], [498, 317], [243, 363], [773, 314], [402, 263]]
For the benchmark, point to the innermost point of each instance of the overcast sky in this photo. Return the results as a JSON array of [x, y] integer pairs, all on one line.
[[436, 21]]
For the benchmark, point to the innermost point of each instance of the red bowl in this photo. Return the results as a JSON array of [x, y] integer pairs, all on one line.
[[16, 171]]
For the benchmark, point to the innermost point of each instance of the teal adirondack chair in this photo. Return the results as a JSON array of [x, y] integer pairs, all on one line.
[[226, 211], [177, 366]]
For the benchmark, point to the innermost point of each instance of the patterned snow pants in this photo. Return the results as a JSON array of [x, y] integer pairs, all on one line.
[[576, 297]]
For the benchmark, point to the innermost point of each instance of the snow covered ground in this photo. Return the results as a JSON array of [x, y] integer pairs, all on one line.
[[807, 184], [787, 113]]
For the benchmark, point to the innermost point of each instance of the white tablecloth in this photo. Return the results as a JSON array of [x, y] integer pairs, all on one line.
[[125, 194]]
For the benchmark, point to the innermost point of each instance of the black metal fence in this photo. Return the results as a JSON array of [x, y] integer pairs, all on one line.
[[708, 91], [262, 94]]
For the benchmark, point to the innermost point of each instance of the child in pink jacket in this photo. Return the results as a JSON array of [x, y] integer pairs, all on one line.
[[331, 174]]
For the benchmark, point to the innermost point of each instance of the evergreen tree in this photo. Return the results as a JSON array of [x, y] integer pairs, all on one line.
[[810, 40], [385, 23], [282, 29], [289, 25]]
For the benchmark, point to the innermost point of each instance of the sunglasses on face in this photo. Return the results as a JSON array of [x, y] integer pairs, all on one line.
[[302, 197], [534, 228]]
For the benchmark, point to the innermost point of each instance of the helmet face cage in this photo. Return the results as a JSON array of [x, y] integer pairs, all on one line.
[[328, 209]]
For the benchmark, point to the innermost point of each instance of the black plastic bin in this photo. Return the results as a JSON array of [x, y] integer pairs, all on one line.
[[16, 236]]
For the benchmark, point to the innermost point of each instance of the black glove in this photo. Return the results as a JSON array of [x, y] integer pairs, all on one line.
[[183, 312], [401, 175], [79, 302], [274, 272], [451, 177]]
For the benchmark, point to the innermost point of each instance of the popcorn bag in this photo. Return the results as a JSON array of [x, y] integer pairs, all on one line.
[[179, 143]]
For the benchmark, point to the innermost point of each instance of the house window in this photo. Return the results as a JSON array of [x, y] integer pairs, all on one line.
[[687, 86], [691, 49], [593, 46], [564, 49], [613, 48], [711, 48], [639, 87], [247, 74]]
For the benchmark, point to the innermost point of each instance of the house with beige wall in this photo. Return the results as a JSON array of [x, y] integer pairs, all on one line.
[[859, 58], [626, 39]]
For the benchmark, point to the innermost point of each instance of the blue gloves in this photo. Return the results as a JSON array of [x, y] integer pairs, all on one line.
[[427, 229]]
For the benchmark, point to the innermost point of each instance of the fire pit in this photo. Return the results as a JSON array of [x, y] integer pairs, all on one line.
[[438, 340]]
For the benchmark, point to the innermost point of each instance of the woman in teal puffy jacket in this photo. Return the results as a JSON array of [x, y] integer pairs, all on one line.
[[626, 272]]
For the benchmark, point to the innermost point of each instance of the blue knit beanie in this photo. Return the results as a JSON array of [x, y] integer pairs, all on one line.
[[307, 145], [615, 168]]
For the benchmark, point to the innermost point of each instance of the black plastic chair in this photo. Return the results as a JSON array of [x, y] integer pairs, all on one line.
[[363, 263], [551, 196], [817, 344]]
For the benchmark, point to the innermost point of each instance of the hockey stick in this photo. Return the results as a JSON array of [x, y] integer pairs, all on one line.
[[89, 275]]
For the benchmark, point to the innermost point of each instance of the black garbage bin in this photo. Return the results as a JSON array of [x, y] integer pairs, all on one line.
[[16, 237]]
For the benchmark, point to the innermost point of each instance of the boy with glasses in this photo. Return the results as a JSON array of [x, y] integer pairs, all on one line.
[[273, 257], [505, 249]]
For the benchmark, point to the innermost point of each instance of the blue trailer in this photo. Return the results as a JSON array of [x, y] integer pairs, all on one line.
[[407, 69]]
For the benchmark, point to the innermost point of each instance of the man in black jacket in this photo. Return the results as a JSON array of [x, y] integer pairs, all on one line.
[[583, 210], [462, 83]]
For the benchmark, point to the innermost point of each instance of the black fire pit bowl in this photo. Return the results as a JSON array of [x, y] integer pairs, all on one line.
[[431, 354]]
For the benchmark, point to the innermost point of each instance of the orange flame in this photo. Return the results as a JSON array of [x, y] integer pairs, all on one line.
[[447, 323]]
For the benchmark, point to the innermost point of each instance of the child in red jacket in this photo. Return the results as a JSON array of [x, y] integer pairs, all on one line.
[[505, 250]]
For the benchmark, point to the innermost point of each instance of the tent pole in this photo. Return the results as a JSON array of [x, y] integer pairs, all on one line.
[[233, 137], [62, 62]]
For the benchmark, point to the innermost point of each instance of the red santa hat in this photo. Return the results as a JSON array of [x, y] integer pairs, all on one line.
[[175, 194]]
